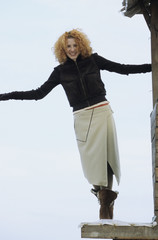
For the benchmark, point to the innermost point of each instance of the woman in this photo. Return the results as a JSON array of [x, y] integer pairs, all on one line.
[[79, 74]]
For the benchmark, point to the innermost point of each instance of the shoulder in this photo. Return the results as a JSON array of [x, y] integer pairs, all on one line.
[[96, 56], [99, 60], [58, 69]]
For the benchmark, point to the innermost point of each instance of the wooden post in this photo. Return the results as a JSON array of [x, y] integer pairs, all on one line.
[[154, 48], [154, 140], [154, 115]]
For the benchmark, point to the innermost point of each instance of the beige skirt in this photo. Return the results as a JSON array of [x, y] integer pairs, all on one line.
[[97, 143]]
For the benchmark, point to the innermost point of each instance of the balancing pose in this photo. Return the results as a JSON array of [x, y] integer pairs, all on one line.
[[79, 74]]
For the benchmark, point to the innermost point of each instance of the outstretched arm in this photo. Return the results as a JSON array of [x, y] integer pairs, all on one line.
[[105, 64], [36, 94]]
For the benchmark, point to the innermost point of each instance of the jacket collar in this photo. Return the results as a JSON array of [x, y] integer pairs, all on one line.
[[79, 58]]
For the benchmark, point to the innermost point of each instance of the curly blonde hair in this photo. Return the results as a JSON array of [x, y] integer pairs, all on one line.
[[81, 40]]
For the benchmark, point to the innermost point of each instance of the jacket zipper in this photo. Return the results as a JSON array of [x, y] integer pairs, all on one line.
[[82, 82]]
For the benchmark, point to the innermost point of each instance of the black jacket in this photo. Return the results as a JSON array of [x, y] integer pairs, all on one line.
[[81, 81]]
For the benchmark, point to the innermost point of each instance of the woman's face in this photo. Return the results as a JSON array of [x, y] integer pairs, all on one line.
[[72, 50]]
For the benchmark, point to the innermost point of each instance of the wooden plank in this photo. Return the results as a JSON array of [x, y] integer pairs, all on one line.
[[154, 154], [118, 232], [156, 133], [154, 114], [154, 121], [156, 174], [153, 127], [156, 189], [156, 204], [154, 138]]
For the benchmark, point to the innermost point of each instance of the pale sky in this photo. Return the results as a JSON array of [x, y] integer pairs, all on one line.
[[43, 193]]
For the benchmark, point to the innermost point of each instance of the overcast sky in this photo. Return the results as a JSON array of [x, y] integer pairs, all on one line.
[[43, 193]]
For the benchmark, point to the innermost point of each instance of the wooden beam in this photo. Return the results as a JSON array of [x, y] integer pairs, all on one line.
[[146, 13], [154, 49], [106, 231], [133, 7]]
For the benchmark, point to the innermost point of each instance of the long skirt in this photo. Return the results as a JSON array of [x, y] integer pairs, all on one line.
[[97, 143]]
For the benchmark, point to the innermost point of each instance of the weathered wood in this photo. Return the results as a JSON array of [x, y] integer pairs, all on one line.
[[156, 204], [156, 189], [154, 139], [154, 155], [119, 232], [154, 115], [146, 13], [156, 174], [155, 132], [154, 48], [154, 123], [132, 7]]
